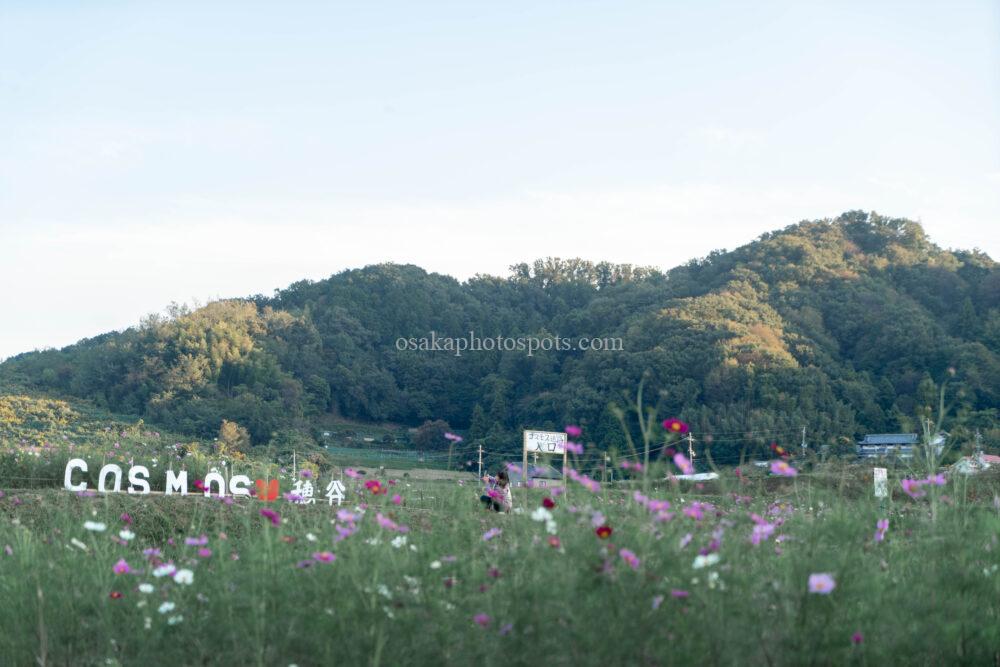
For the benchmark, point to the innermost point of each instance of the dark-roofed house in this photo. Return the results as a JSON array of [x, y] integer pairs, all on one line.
[[893, 444]]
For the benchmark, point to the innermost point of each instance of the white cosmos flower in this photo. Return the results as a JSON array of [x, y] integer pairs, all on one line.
[[436, 565], [310, 537], [78, 544], [126, 535], [164, 570], [174, 620], [185, 577], [95, 526], [166, 607], [399, 541], [146, 588], [705, 561], [541, 514]]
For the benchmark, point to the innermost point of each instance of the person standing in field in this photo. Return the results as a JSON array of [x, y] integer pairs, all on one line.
[[498, 496]]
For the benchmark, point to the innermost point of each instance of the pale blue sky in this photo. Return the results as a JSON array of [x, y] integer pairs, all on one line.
[[152, 152]]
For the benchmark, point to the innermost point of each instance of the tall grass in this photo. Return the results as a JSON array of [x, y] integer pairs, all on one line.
[[928, 594]]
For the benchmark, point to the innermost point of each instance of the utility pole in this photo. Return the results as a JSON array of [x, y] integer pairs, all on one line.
[[979, 442], [604, 472], [690, 439], [480, 461], [295, 473], [803, 441]]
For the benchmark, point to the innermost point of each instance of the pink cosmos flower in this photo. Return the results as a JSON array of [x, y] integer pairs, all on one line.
[[911, 487], [683, 464], [397, 499], [857, 638], [481, 620], [352, 473], [389, 524], [490, 534], [205, 552], [343, 532], [574, 431], [196, 541], [453, 437], [936, 480], [324, 557], [630, 558], [880, 529], [346, 515], [782, 469], [271, 515], [822, 583], [121, 567], [677, 593], [574, 448]]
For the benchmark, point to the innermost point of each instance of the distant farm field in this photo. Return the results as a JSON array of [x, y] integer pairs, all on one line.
[[749, 571]]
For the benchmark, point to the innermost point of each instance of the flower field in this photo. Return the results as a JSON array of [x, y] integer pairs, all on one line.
[[753, 568]]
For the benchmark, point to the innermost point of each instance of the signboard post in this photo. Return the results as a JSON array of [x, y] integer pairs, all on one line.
[[543, 442], [881, 484]]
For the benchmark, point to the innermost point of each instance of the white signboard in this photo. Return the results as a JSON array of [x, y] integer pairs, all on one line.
[[544, 442], [881, 483]]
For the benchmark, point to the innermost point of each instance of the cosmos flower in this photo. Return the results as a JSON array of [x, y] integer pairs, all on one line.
[[822, 583], [675, 426], [271, 515], [573, 431], [629, 557], [683, 464], [452, 437], [554, 541], [352, 473], [184, 577], [397, 499], [857, 638], [95, 526], [121, 567], [482, 620], [389, 524], [603, 531], [881, 527], [705, 560], [782, 469], [574, 448], [324, 556], [548, 503], [490, 534], [911, 487]]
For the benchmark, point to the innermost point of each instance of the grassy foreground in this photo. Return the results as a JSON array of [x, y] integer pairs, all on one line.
[[462, 586]]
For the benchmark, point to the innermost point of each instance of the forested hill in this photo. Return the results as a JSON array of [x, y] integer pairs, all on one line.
[[842, 326]]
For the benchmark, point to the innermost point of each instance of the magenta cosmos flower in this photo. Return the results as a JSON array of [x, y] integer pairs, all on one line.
[[121, 567], [675, 426], [482, 619], [573, 431], [822, 583], [271, 515]]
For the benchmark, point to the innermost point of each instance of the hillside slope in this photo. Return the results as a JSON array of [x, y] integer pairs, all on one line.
[[841, 326]]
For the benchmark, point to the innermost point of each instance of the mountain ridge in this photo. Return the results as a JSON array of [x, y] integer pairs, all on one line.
[[840, 325]]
